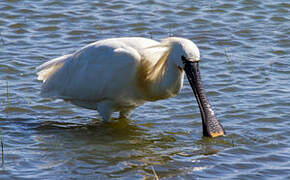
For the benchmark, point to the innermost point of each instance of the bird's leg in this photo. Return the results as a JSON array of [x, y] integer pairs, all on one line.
[[106, 110]]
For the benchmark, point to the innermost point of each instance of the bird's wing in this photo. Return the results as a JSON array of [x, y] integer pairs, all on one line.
[[46, 70], [94, 73]]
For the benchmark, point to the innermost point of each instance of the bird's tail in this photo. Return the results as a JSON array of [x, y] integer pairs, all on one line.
[[46, 70]]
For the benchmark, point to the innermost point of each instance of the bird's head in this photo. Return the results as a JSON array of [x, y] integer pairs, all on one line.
[[186, 56], [182, 49]]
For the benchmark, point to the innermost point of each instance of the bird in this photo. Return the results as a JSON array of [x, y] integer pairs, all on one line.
[[120, 74]]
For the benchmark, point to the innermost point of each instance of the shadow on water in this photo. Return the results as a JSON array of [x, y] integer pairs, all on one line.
[[113, 149], [97, 128], [110, 149]]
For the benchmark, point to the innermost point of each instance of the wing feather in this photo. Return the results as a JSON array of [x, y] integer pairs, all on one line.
[[90, 74], [46, 70]]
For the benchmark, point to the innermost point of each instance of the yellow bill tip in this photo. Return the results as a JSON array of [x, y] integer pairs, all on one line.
[[217, 134]]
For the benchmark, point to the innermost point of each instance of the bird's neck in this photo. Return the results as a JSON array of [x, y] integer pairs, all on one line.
[[172, 80], [164, 80]]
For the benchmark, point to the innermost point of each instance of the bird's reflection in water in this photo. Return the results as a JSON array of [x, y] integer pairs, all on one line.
[[117, 127], [122, 145]]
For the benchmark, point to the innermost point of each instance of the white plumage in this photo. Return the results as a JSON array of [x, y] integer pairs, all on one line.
[[118, 74]]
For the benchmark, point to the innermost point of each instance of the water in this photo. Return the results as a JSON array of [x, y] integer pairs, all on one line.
[[245, 70]]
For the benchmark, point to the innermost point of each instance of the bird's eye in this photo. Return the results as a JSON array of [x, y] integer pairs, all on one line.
[[184, 60]]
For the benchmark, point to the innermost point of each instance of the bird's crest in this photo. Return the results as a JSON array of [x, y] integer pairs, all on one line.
[[152, 71]]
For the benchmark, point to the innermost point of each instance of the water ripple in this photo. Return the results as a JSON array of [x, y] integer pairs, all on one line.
[[244, 67]]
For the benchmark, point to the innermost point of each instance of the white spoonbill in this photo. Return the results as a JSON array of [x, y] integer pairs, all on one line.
[[120, 74]]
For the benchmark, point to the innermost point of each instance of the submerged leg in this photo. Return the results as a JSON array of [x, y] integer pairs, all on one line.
[[105, 109]]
